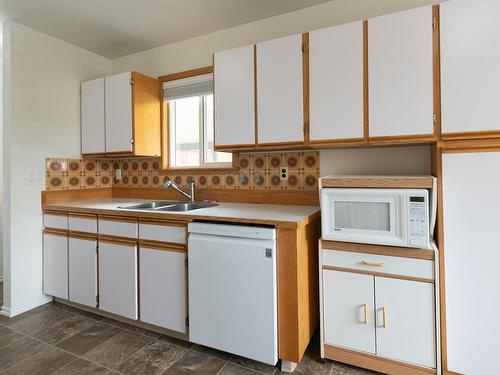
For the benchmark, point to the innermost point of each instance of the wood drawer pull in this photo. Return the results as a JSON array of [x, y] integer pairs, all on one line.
[[384, 317], [365, 306], [373, 264]]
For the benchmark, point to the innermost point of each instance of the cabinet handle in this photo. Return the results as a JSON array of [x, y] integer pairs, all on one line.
[[365, 306], [373, 264], [384, 317]]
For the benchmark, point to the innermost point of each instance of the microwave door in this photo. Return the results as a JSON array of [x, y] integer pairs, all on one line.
[[360, 217]]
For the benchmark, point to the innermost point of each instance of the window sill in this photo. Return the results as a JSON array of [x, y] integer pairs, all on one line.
[[200, 170]]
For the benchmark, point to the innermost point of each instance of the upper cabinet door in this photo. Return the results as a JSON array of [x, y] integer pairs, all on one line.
[[280, 91], [336, 83], [400, 74], [93, 140], [470, 67], [234, 89], [119, 136]]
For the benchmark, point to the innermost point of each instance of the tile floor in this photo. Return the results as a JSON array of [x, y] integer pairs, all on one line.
[[57, 339]]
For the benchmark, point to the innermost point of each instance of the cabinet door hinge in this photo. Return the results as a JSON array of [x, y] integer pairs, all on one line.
[[96, 248], [131, 81], [97, 300], [187, 321], [132, 140], [305, 47], [434, 118], [186, 262], [305, 127], [434, 22]]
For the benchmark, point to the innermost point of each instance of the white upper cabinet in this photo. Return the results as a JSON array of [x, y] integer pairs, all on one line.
[[336, 82], [234, 97], [400, 71], [119, 113], [280, 90], [93, 128], [470, 66]]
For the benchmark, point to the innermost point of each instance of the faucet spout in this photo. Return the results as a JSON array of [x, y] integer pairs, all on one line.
[[170, 185]]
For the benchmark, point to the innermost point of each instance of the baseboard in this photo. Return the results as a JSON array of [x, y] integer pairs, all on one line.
[[9, 312]]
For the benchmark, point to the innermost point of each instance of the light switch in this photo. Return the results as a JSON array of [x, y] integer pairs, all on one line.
[[31, 177], [118, 174]]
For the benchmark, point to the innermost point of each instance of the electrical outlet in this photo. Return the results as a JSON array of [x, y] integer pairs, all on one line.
[[284, 173], [118, 174]]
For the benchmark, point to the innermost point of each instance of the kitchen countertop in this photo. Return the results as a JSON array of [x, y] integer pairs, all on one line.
[[273, 214]]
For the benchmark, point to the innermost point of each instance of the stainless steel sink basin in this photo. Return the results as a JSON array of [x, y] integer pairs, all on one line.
[[153, 205], [187, 206]]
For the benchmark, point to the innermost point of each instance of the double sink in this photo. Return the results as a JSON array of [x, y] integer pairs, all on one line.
[[168, 206]]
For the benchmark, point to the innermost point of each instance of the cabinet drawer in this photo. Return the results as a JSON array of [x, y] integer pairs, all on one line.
[[164, 232], [380, 263], [87, 224], [55, 220], [118, 227]]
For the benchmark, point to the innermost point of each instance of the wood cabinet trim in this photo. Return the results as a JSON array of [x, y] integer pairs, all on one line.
[[387, 182], [379, 274], [55, 213], [471, 135], [305, 86], [373, 362], [187, 74], [162, 246], [82, 235], [56, 232], [469, 145], [436, 71], [396, 139], [82, 215], [118, 218], [117, 240], [366, 97], [401, 252]]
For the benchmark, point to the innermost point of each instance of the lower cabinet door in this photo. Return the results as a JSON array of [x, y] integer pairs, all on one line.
[[55, 265], [163, 288], [405, 321], [349, 319], [83, 271], [118, 278]]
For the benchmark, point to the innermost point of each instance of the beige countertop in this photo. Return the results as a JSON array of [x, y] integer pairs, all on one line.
[[292, 215]]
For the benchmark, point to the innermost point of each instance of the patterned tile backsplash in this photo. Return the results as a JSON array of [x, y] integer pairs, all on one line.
[[256, 171]]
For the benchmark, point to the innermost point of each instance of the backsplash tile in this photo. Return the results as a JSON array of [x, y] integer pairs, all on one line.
[[256, 171]]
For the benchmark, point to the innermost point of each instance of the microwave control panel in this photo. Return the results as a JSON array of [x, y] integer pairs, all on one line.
[[418, 220]]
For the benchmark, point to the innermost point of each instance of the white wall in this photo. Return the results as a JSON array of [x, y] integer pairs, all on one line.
[[41, 119], [197, 52]]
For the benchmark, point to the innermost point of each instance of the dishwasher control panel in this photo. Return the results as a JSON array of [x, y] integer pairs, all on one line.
[[229, 230]]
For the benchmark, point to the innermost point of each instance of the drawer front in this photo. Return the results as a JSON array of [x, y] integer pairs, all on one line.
[[163, 233], [55, 221], [118, 228], [380, 263], [83, 224]]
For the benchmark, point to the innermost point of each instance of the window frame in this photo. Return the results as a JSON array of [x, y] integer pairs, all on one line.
[[166, 131]]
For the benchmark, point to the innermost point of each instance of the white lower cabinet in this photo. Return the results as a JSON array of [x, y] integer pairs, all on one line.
[[118, 278], [349, 310], [163, 288], [82, 271], [55, 265], [405, 320]]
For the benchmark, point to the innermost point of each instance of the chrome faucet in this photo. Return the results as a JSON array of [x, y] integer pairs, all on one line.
[[170, 185]]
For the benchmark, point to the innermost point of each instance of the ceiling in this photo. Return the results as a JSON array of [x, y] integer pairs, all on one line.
[[115, 28]]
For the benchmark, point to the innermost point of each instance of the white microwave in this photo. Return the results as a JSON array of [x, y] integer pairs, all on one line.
[[391, 217]]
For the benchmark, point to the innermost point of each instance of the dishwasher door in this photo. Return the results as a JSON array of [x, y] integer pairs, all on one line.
[[232, 295]]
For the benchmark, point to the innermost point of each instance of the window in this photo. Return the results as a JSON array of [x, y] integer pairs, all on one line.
[[191, 124]]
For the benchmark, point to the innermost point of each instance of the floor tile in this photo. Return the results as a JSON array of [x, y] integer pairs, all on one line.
[[115, 351], [89, 338], [40, 320], [253, 365], [175, 341], [20, 349], [131, 328], [83, 367], [153, 359], [18, 318], [196, 364], [212, 352], [48, 360], [232, 369], [342, 369], [7, 336], [63, 329]]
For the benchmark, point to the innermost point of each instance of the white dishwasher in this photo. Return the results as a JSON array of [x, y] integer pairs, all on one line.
[[232, 289]]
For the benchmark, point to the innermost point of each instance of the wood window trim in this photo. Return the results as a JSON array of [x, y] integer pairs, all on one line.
[[165, 131]]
